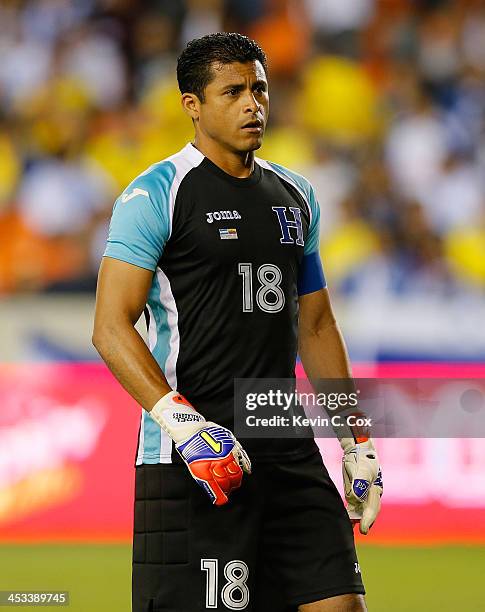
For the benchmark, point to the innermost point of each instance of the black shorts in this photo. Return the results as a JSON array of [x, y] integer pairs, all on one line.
[[283, 539]]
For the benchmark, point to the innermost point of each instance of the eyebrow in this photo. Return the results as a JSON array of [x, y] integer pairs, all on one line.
[[241, 86]]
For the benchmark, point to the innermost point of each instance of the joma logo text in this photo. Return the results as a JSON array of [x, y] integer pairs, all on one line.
[[218, 215]]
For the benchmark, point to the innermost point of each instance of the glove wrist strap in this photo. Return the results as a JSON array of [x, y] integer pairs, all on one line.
[[176, 416], [349, 436], [348, 444]]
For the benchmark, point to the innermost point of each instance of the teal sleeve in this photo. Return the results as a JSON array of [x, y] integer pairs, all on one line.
[[312, 244], [140, 223]]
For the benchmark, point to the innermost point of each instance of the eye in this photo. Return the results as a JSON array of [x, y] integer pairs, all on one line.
[[232, 92], [260, 88]]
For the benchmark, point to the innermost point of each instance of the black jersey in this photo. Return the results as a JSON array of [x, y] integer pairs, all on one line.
[[230, 257]]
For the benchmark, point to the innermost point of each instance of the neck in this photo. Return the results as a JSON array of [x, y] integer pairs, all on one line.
[[236, 164]]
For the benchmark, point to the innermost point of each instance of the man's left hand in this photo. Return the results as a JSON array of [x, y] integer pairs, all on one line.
[[363, 482]]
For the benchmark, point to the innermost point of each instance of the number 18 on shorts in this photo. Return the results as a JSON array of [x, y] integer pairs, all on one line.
[[234, 590]]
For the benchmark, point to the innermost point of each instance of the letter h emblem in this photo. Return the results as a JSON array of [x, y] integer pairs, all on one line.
[[287, 224]]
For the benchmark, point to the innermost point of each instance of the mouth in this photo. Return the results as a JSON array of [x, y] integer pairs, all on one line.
[[253, 127]]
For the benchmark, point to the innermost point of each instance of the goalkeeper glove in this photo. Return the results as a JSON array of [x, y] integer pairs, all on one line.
[[214, 457], [363, 482]]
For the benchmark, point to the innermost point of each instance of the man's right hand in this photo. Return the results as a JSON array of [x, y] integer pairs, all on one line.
[[214, 457], [215, 460]]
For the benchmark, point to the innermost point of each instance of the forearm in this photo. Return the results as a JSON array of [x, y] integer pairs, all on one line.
[[323, 353], [129, 359], [215, 458], [324, 356]]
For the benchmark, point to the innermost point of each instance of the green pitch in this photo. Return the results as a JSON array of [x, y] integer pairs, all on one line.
[[400, 579]]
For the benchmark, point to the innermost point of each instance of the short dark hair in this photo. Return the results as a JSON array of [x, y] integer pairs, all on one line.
[[194, 65]]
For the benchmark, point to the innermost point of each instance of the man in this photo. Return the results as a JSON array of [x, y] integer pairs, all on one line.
[[221, 251]]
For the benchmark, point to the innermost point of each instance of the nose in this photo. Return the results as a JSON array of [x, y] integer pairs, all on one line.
[[252, 105]]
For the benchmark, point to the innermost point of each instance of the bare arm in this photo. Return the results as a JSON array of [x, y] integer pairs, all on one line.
[[120, 299], [320, 342], [323, 352], [121, 296]]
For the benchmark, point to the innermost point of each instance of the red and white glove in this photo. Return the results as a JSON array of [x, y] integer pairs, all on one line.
[[214, 457]]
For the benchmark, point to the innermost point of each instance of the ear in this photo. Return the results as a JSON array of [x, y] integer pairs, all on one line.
[[191, 105]]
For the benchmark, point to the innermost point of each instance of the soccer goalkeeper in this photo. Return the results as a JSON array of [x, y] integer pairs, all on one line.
[[220, 249]]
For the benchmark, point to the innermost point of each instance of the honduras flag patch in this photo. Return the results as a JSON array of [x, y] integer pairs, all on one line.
[[228, 234]]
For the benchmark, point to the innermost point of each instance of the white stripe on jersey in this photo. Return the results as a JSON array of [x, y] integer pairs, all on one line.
[[152, 341], [186, 159], [168, 304], [141, 439], [152, 330]]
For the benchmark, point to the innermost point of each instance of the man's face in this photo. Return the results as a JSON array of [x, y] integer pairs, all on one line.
[[235, 110]]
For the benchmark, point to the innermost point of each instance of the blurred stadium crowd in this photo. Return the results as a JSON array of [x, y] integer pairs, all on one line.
[[380, 103]]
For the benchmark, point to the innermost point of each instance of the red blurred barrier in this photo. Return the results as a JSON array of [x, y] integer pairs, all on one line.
[[67, 445], [68, 439]]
